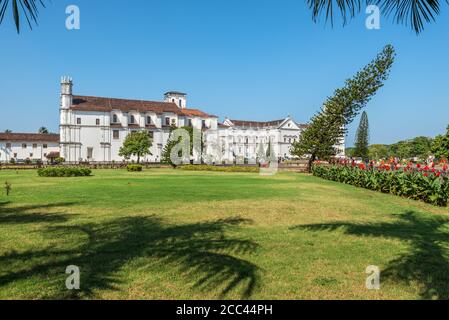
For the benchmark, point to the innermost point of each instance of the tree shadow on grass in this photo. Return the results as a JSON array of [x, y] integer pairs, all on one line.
[[427, 261], [32, 213], [201, 252]]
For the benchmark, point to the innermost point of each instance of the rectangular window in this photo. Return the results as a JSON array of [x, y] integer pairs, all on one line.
[[97, 122], [151, 134], [24, 145], [34, 145], [204, 124], [116, 134], [8, 146], [31, 155], [45, 146], [78, 120], [189, 123], [90, 153], [149, 122], [15, 155], [167, 121]]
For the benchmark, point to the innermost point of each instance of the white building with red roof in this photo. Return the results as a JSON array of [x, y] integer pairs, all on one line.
[[24, 147], [92, 129]]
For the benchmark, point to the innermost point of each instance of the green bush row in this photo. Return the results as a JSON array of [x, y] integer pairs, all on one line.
[[134, 167], [64, 172], [411, 184], [219, 169]]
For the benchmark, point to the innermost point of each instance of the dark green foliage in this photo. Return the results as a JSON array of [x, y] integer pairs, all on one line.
[[134, 167], [362, 138], [440, 146], [419, 147], [64, 172], [328, 126], [138, 144], [413, 185], [193, 134], [43, 130]]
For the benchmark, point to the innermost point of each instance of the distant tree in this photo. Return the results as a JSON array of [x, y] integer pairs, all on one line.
[[362, 138], [421, 147], [379, 151], [28, 8], [8, 131], [271, 154], [349, 152], [43, 130], [440, 146], [194, 135], [327, 127], [261, 155], [136, 144]]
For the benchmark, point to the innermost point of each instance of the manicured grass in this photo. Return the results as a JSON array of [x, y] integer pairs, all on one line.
[[173, 234]]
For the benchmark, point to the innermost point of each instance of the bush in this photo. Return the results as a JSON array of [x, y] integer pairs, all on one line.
[[431, 187], [59, 160], [220, 169], [64, 172], [134, 167]]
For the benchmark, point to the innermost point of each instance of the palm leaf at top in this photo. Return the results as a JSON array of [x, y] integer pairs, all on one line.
[[27, 8], [415, 13]]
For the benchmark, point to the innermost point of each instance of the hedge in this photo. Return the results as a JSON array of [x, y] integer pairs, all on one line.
[[431, 188], [64, 172], [134, 167], [220, 169]]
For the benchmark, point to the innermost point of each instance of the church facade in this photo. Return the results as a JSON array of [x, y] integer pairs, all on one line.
[[92, 129]]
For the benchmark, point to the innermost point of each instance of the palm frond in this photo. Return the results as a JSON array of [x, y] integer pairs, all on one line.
[[28, 8], [415, 13]]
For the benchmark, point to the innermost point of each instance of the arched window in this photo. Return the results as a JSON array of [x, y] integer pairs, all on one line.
[[114, 119], [180, 103], [132, 119]]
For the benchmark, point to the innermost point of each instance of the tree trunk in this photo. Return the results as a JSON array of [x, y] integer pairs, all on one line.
[[311, 161]]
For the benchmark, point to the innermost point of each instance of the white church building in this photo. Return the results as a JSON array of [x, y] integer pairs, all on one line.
[[92, 129]]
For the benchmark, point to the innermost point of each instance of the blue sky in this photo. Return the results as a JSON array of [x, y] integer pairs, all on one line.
[[245, 59]]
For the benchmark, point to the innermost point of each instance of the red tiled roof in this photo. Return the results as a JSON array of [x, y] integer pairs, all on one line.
[[88, 103], [244, 123], [31, 137], [197, 113]]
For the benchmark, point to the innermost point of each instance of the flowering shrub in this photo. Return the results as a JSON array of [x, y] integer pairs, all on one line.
[[426, 184]]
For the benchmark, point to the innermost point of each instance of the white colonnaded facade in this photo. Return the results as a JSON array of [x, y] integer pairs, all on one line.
[[92, 129]]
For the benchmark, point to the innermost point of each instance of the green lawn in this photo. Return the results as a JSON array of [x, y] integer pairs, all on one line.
[[165, 234]]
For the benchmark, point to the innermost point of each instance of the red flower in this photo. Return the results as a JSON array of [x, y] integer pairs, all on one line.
[[362, 166], [445, 167], [418, 166], [426, 168], [438, 174], [426, 175]]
